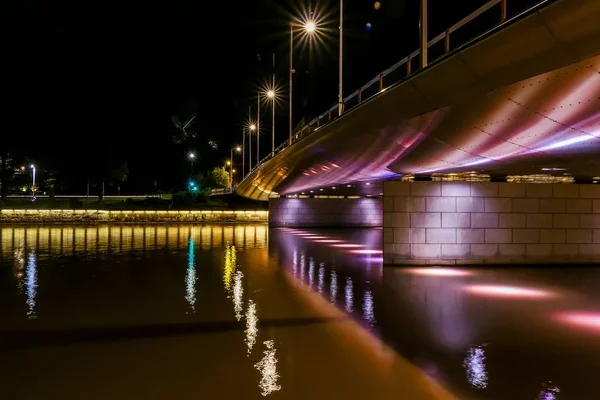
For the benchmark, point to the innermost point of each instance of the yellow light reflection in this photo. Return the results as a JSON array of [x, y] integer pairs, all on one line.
[[65, 240], [229, 267]]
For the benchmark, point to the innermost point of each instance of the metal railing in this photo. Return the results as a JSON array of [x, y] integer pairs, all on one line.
[[395, 74]]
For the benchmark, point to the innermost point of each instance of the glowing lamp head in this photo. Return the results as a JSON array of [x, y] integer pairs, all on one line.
[[228, 162], [192, 155], [310, 27], [32, 166], [238, 149], [270, 94], [252, 127]]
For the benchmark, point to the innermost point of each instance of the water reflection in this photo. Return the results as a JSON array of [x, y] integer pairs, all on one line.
[[549, 392], [190, 277], [546, 317], [321, 283], [268, 370], [31, 284], [238, 295], [230, 266], [333, 288], [349, 296], [56, 240], [474, 364], [368, 307], [251, 325], [322, 252]]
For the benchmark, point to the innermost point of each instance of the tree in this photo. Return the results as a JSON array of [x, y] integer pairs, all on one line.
[[220, 177]]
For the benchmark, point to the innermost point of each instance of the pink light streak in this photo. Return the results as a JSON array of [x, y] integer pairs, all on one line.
[[447, 272], [347, 245], [507, 291], [581, 319], [328, 241], [366, 251]]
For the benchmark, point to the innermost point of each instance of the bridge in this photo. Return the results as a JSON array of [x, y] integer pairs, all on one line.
[[519, 100]]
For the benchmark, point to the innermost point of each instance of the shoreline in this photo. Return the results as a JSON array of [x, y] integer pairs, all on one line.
[[72, 216]]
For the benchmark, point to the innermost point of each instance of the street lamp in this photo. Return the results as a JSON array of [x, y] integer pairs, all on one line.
[[192, 156], [230, 163], [341, 61], [33, 182], [271, 95], [252, 128], [309, 27]]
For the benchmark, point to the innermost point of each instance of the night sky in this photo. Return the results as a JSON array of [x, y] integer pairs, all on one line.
[[95, 84]]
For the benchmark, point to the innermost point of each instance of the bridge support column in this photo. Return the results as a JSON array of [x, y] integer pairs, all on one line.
[[490, 223], [326, 212]]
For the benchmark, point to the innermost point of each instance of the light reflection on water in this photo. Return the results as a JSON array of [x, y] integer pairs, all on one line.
[[190, 277], [537, 323], [31, 285]]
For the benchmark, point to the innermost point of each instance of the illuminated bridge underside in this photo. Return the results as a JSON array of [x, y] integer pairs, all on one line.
[[524, 98]]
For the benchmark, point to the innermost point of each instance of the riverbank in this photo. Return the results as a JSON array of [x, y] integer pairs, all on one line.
[[16, 216]]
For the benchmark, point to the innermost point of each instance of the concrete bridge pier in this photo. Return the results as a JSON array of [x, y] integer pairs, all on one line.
[[490, 223], [348, 212]]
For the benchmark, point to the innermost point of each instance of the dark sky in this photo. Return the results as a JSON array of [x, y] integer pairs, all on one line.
[[93, 81]]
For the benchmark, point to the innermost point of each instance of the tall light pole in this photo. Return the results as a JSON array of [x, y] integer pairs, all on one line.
[[238, 149], [309, 27], [271, 95], [340, 95], [258, 130], [243, 151], [33, 181], [192, 156], [252, 128]]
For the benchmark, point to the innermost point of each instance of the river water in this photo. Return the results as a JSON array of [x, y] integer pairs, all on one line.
[[224, 311]]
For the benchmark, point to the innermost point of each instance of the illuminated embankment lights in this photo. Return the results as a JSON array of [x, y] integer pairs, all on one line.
[[581, 319], [507, 291], [438, 272]]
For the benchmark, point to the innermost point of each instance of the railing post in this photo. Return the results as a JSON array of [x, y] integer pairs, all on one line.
[[447, 44], [380, 82], [359, 95], [329, 115], [503, 17], [408, 62], [318, 122]]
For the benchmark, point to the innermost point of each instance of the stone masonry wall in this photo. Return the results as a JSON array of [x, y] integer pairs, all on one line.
[[487, 222], [96, 216], [342, 212]]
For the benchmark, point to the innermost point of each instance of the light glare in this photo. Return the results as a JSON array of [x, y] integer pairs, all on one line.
[[507, 291]]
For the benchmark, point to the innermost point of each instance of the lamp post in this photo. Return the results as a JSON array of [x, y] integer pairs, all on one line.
[[192, 156], [309, 27], [33, 182], [341, 61], [238, 149], [258, 129], [271, 95], [243, 151], [252, 129]]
